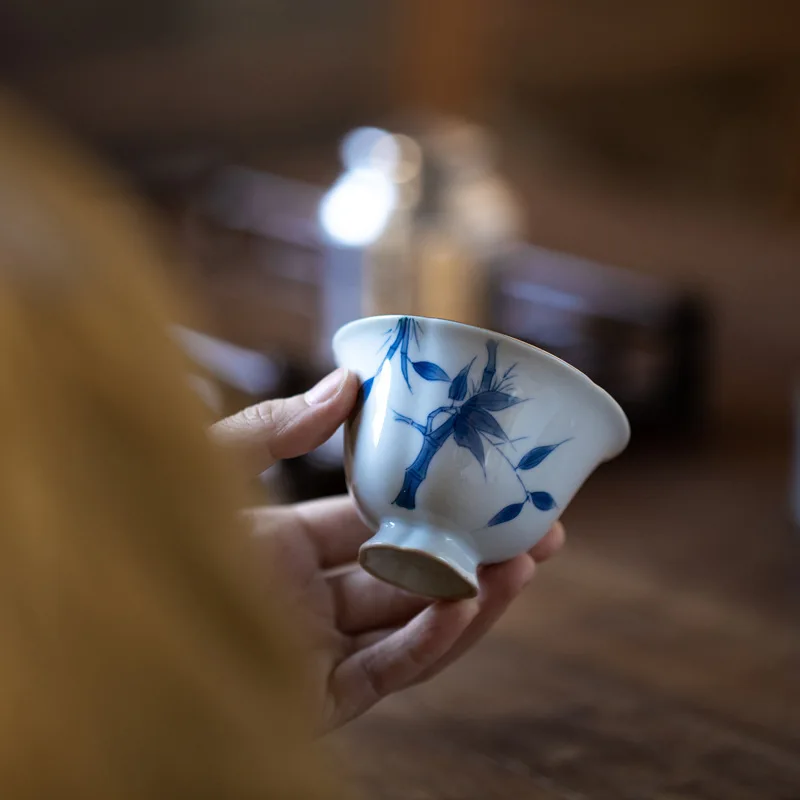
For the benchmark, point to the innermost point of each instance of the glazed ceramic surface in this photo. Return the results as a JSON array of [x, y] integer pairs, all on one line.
[[465, 446]]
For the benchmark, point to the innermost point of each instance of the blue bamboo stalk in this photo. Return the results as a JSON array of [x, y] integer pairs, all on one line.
[[491, 367], [417, 472]]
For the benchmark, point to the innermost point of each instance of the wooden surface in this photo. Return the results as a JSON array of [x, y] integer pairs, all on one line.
[[657, 657]]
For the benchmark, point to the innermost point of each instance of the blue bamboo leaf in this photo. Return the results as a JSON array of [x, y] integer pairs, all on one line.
[[404, 360], [506, 514], [397, 341], [365, 389], [467, 436], [492, 401], [542, 500], [361, 398], [458, 387], [483, 421], [430, 371], [535, 457], [509, 372]]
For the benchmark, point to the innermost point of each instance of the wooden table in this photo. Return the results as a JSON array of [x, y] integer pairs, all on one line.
[[657, 657]]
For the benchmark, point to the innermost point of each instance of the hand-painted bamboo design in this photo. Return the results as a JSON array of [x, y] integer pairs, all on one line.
[[471, 418]]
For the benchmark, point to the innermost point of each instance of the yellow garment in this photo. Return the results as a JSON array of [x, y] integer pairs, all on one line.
[[143, 653]]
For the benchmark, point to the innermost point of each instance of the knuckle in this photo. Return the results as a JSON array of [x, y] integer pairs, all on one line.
[[374, 679], [262, 414], [274, 419]]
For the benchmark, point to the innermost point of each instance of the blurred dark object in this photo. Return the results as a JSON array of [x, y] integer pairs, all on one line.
[[644, 341], [256, 259], [794, 490], [320, 473], [156, 77]]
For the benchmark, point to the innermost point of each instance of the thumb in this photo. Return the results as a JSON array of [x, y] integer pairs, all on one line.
[[286, 428]]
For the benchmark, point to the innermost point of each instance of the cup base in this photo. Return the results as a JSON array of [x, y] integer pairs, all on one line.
[[421, 559]]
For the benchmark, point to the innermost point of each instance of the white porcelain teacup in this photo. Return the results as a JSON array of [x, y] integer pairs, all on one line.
[[465, 446]]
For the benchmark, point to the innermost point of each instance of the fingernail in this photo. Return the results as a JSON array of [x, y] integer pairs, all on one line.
[[327, 388]]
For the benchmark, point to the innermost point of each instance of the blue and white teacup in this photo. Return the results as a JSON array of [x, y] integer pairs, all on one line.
[[465, 446]]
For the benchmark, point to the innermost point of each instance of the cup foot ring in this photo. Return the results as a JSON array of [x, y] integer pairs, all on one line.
[[421, 559]]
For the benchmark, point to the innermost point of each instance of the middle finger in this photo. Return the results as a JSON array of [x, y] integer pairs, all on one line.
[[363, 603]]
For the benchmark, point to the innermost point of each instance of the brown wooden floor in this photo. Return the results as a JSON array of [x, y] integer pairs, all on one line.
[[657, 657]]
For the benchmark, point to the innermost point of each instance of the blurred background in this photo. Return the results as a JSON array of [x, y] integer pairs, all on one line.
[[617, 181]]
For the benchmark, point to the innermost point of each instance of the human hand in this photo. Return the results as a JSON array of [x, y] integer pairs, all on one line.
[[371, 639]]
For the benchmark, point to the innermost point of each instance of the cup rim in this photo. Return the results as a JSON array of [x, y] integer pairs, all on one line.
[[613, 406]]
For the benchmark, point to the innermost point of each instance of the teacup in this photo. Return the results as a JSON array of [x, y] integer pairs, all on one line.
[[465, 447]]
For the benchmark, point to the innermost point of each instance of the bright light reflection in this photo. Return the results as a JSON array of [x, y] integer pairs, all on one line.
[[357, 207], [359, 144]]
